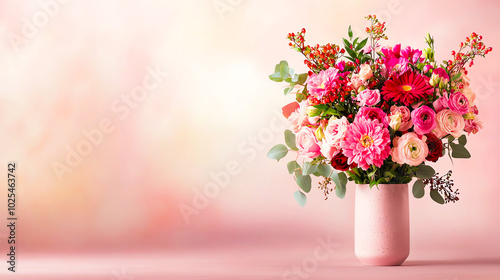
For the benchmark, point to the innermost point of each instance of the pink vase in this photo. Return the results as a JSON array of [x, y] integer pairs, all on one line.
[[382, 226]]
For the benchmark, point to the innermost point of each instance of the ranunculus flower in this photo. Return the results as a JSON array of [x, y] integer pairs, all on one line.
[[365, 72], [435, 147], [440, 103], [373, 113], [409, 149], [368, 97], [473, 126], [335, 131], [406, 122], [449, 122], [340, 162], [423, 119], [457, 102], [307, 144]]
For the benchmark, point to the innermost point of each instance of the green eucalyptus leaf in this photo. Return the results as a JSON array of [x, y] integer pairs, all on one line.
[[462, 140], [324, 170], [436, 196], [276, 77], [300, 198], [292, 166], [290, 140], [277, 152], [309, 168], [302, 78], [425, 171], [288, 90], [304, 181], [459, 151], [349, 32], [418, 189]]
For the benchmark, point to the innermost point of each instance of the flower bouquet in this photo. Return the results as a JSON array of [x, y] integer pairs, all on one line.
[[377, 115]]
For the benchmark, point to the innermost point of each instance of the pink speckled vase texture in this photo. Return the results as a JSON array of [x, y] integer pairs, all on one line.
[[382, 224]]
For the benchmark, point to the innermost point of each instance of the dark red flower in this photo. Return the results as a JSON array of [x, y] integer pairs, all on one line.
[[435, 147], [340, 162]]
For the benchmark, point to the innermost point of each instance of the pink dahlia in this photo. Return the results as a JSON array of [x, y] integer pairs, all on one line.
[[367, 142], [319, 85], [407, 89]]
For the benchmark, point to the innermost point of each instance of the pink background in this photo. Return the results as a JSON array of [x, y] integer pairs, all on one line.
[[215, 108]]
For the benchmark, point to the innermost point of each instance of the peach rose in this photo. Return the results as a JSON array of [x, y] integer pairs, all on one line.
[[449, 122], [356, 81], [409, 149], [365, 72], [299, 117], [406, 122]]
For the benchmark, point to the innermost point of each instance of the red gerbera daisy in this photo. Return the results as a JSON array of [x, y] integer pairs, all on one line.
[[407, 89]]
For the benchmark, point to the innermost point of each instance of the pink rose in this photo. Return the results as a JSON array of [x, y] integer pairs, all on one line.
[[307, 144], [328, 150], [373, 113], [365, 72], [458, 103], [423, 119], [409, 149], [449, 122], [473, 126], [356, 81], [368, 97], [440, 103], [406, 122], [299, 117], [335, 131]]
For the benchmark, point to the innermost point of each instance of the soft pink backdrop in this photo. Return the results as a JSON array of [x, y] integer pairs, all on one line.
[[216, 107]]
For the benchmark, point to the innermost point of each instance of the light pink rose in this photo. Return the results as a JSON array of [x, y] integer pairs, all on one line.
[[356, 81], [449, 122], [406, 122], [307, 144], [473, 126], [365, 72], [409, 149], [368, 97], [328, 150], [299, 117], [335, 131]]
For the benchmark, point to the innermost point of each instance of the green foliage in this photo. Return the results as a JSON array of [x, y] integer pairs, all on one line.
[[293, 166], [418, 189], [300, 198], [309, 168], [436, 196], [277, 152], [425, 171], [282, 72], [304, 181], [290, 140]]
